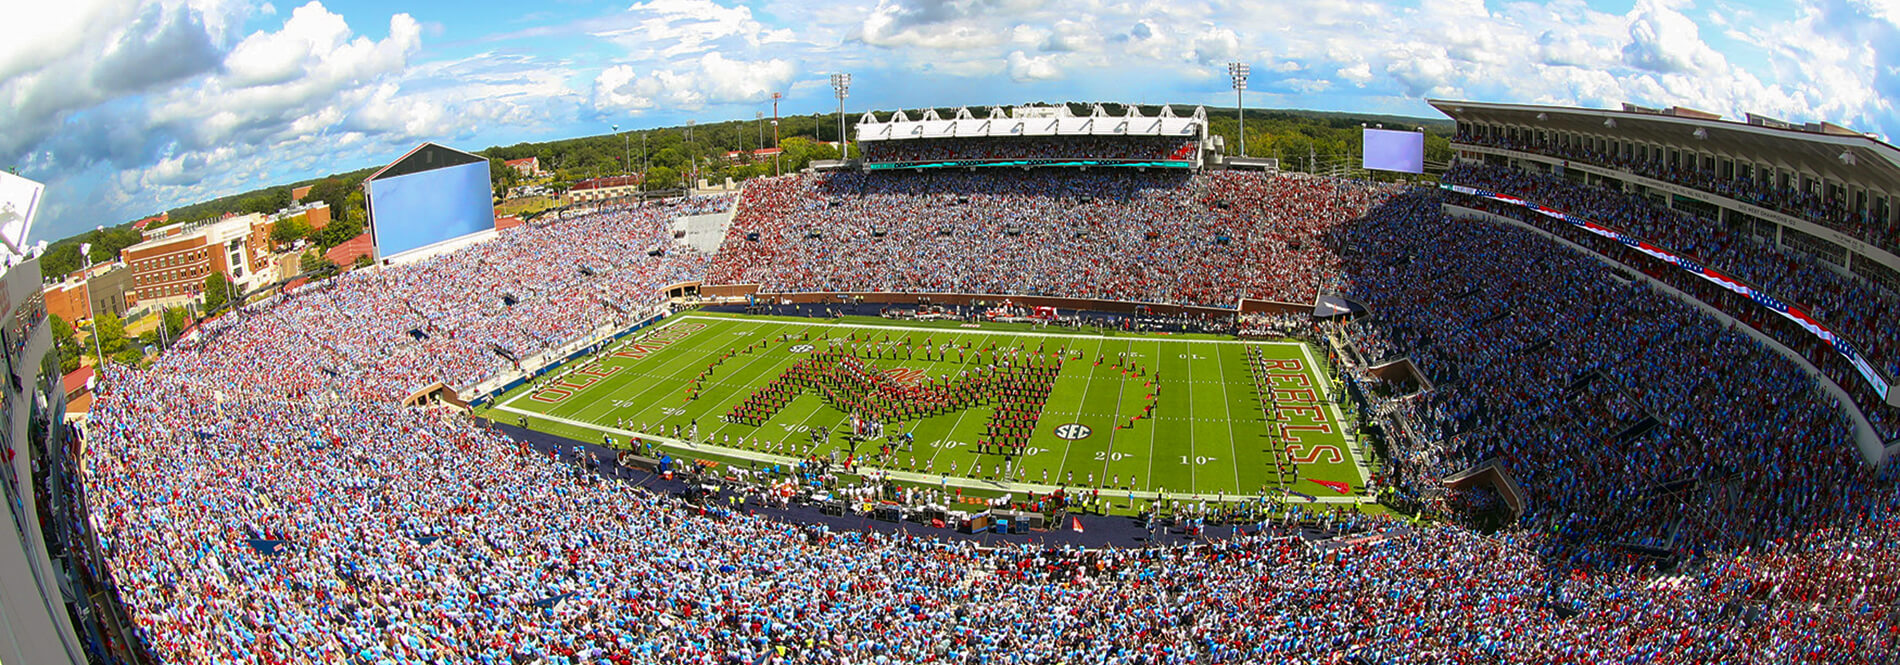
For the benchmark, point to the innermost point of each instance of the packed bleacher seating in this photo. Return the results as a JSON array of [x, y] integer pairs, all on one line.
[[1861, 310], [261, 497], [1130, 148], [251, 529], [1628, 415], [1806, 205], [351, 335], [1206, 239]]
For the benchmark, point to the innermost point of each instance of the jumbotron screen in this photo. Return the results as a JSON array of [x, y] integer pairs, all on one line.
[[416, 210], [1388, 150]]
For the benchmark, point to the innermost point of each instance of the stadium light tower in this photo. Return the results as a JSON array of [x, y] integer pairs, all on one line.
[[776, 156], [626, 154], [842, 84], [1238, 72]]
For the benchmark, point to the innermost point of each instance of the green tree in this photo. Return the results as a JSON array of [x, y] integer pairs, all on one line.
[[316, 263], [60, 260], [330, 191], [662, 177], [174, 321], [669, 157], [128, 356], [66, 344], [62, 331], [354, 206], [501, 176], [217, 291], [111, 332], [288, 231], [339, 231]]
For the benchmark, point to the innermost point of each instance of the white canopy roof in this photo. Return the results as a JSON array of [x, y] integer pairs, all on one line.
[[1032, 121]]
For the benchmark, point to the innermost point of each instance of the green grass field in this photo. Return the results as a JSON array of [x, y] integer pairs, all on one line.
[[1215, 425]]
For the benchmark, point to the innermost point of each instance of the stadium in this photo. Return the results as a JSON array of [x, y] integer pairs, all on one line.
[[1033, 384]]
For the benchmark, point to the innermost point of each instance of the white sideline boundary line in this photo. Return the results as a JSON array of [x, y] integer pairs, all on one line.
[[1326, 391], [925, 479], [913, 477], [974, 331], [615, 345]]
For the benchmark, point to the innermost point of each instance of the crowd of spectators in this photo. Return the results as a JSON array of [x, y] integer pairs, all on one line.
[[351, 336], [260, 496], [1626, 414], [1030, 147], [1164, 237], [1861, 310], [254, 529], [1812, 206]]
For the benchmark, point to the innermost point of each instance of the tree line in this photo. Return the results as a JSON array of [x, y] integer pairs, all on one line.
[[669, 156]]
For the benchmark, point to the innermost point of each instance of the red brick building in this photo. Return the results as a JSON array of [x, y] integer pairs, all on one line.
[[173, 268]]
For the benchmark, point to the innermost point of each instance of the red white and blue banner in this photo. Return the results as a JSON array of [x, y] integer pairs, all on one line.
[[1773, 304]]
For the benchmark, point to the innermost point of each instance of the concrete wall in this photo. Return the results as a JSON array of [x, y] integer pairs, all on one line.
[[962, 299], [34, 627]]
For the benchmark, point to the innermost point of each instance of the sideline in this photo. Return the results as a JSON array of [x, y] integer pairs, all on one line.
[[927, 479]]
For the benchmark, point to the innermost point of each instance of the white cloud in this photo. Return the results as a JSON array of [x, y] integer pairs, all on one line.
[[1358, 74], [163, 100], [81, 55], [941, 24], [711, 79], [384, 112], [673, 28], [1038, 68], [309, 75], [150, 105], [1666, 41]]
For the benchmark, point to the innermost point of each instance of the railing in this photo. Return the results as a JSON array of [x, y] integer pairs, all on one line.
[[1865, 231]]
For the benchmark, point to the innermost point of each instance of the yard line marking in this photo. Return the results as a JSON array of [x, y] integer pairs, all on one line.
[[1121, 392], [658, 384], [1081, 404], [527, 390], [1233, 449], [674, 379], [954, 426], [1153, 432], [755, 382], [1193, 476], [912, 477]]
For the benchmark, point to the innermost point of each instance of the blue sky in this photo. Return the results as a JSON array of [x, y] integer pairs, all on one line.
[[129, 107]]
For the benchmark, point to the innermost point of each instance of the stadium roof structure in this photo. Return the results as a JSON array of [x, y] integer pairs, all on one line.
[[1826, 150], [423, 158], [1055, 120]]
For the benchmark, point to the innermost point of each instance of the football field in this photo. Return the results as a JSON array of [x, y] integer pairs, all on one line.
[[989, 406]]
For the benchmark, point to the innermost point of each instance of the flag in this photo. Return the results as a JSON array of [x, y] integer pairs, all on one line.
[[1075, 524], [1335, 485]]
